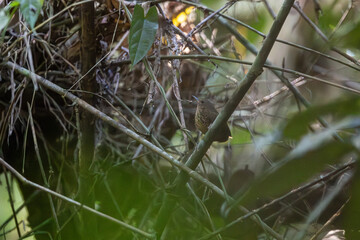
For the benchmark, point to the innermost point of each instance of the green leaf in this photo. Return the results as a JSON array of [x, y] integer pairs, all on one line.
[[313, 152], [314, 141], [240, 136], [296, 168], [351, 212], [4, 19], [298, 125], [30, 9], [6, 14], [142, 33], [348, 35]]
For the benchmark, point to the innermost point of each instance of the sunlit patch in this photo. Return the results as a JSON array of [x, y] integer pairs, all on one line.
[[189, 10], [182, 17], [187, 50], [163, 41]]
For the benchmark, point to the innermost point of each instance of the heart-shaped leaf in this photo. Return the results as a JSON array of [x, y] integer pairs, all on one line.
[[142, 33]]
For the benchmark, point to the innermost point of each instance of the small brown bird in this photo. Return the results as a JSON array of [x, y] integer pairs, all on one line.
[[205, 115]]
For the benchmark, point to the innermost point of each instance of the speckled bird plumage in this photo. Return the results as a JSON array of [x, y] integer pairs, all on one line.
[[205, 115]]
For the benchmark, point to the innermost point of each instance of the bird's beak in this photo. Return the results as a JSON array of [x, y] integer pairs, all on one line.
[[197, 100]]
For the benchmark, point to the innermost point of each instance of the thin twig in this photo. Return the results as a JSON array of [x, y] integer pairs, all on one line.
[[297, 73], [270, 10], [297, 82], [163, 94], [320, 179], [178, 99], [42, 171], [153, 120], [11, 202], [200, 24], [321, 34], [315, 213], [53, 87], [44, 23], [204, 144], [343, 17], [193, 174], [188, 40], [31, 63], [264, 35], [176, 67], [73, 202], [24, 204], [328, 222]]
